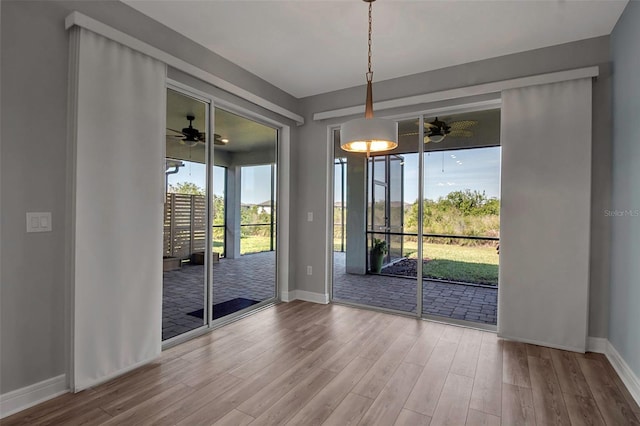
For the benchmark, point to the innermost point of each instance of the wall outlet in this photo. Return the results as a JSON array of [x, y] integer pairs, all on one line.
[[309, 216], [309, 270]]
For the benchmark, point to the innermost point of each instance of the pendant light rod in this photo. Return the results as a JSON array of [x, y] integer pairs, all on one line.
[[369, 134], [368, 112]]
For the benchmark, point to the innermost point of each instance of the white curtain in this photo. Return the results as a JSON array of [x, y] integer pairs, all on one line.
[[117, 120], [545, 214]]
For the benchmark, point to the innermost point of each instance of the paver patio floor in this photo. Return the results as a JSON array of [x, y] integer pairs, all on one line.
[[253, 276]]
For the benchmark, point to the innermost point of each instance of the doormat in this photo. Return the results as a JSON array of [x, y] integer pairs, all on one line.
[[225, 308]]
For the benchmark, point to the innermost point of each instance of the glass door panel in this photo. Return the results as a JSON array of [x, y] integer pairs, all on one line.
[[247, 152], [185, 216], [461, 225]]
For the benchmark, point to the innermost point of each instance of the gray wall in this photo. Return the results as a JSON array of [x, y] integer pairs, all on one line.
[[34, 55], [311, 153], [624, 310]]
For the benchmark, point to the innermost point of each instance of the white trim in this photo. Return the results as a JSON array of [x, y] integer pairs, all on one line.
[[307, 296], [628, 377], [28, 396], [597, 345], [463, 92], [539, 343], [77, 18]]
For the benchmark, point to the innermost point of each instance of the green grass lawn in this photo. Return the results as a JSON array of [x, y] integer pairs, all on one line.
[[459, 263], [248, 245]]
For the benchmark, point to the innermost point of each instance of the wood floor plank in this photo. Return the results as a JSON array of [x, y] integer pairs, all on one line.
[[350, 411], [320, 407], [612, 404], [411, 418], [426, 392], [453, 404], [425, 343], [452, 333], [141, 412], [487, 384], [388, 405], [548, 402], [253, 366], [538, 351], [517, 406], [374, 348], [583, 411], [234, 418], [268, 395], [478, 418], [376, 378], [90, 417], [351, 350], [293, 401], [515, 364], [570, 376], [466, 358], [173, 413]]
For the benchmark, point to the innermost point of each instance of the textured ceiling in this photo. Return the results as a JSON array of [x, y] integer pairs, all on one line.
[[311, 47]]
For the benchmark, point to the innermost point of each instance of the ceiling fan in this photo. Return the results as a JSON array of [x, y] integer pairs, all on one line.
[[437, 130], [191, 136]]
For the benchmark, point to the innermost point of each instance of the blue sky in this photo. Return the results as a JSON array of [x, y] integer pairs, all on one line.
[[447, 171]]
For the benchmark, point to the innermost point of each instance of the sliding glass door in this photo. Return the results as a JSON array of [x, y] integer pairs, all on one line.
[[431, 216], [220, 222]]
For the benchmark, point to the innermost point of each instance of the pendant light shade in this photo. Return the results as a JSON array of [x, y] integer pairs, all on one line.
[[368, 135]]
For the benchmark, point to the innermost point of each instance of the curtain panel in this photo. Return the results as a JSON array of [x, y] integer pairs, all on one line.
[[116, 151], [545, 214]]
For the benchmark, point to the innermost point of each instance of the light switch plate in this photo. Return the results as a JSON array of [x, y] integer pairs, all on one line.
[[38, 221]]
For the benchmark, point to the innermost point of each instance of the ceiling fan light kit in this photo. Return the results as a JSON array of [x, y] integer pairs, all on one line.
[[437, 131], [369, 134]]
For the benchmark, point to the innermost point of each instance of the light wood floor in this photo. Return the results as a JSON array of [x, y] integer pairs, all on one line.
[[307, 364]]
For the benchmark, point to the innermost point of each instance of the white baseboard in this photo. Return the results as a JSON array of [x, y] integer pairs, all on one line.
[[628, 377], [597, 345], [307, 296], [28, 396]]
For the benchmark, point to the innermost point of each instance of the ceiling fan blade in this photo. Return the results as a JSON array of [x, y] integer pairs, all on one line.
[[177, 132], [461, 133], [462, 124]]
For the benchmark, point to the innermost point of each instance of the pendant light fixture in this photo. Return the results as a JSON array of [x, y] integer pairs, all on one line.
[[369, 134]]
